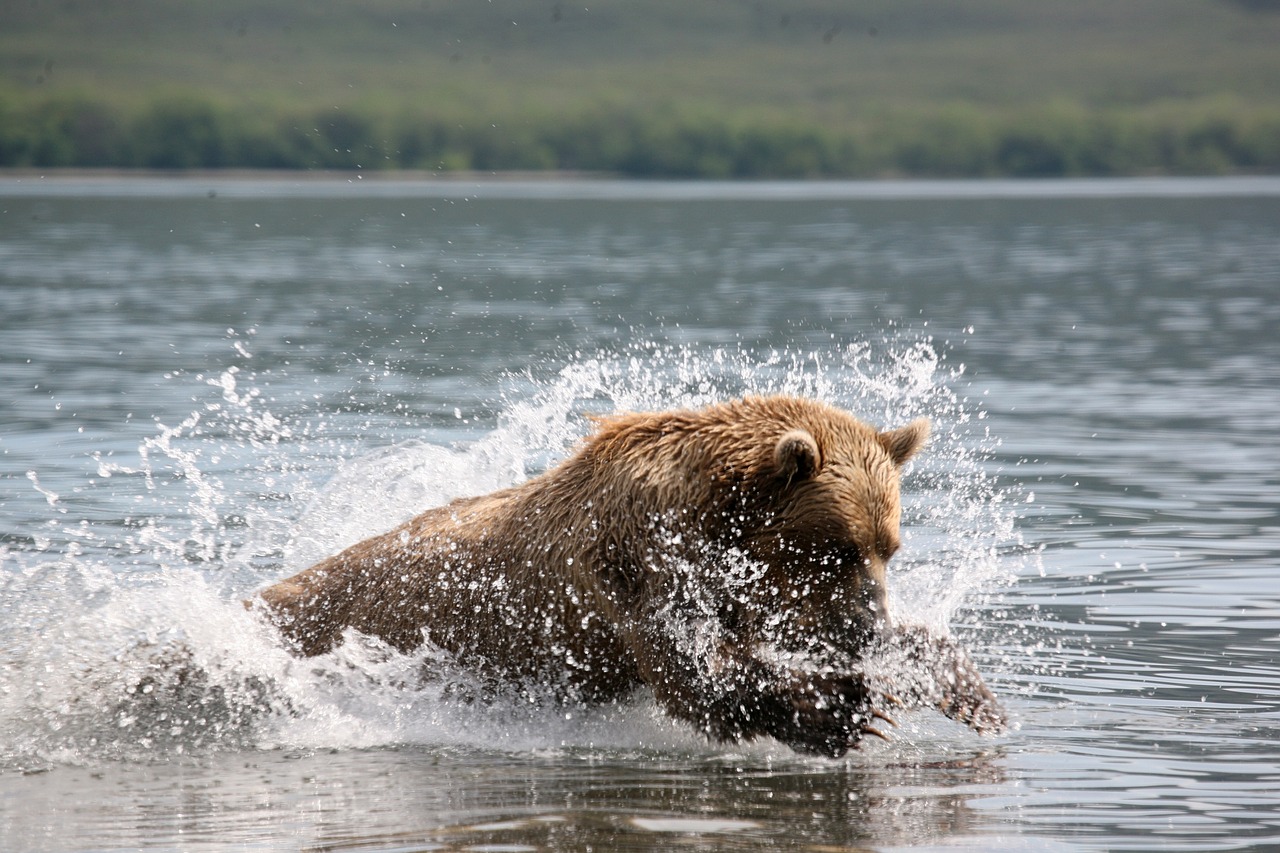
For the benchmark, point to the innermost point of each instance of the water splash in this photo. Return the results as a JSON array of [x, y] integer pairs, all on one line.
[[130, 640]]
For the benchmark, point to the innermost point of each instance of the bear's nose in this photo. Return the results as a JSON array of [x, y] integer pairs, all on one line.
[[875, 595], [877, 602]]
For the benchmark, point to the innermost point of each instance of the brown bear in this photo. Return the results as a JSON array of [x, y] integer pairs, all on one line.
[[730, 558]]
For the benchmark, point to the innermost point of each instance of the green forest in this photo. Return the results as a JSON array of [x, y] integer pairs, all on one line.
[[646, 88]]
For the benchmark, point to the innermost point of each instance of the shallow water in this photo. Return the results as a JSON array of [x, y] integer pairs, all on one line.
[[207, 385]]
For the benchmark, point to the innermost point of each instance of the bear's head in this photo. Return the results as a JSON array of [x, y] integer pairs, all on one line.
[[823, 522]]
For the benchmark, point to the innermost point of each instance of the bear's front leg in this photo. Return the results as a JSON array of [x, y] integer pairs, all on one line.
[[731, 696], [824, 714], [922, 669]]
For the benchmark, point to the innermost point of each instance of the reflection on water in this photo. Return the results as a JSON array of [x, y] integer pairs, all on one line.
[[182, 372], [413, 799]]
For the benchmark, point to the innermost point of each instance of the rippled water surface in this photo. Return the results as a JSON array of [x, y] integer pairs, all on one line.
[[207, 385]]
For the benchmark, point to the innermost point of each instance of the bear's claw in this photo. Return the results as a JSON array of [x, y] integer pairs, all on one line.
[[880, 715], [872, 730]]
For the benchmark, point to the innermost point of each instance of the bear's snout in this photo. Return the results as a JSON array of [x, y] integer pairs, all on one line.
[[874, 594]]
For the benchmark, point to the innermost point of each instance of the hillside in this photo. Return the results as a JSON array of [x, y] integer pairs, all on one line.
[[723, 87]]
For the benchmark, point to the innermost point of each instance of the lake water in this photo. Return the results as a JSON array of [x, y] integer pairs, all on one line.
[[207, 384]]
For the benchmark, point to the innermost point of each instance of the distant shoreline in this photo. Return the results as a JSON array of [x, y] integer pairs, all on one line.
[[551, 185], [651, 89]]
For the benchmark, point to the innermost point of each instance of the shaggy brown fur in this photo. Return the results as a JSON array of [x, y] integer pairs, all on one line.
[[690, 551]]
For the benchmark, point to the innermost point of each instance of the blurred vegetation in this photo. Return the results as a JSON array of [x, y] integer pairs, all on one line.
[[646, 88]]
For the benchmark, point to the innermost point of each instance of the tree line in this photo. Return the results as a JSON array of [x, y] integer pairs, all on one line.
[[1056, 140]]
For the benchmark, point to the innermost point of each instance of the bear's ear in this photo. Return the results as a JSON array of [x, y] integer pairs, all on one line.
[[903, 443], [796, 455]]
